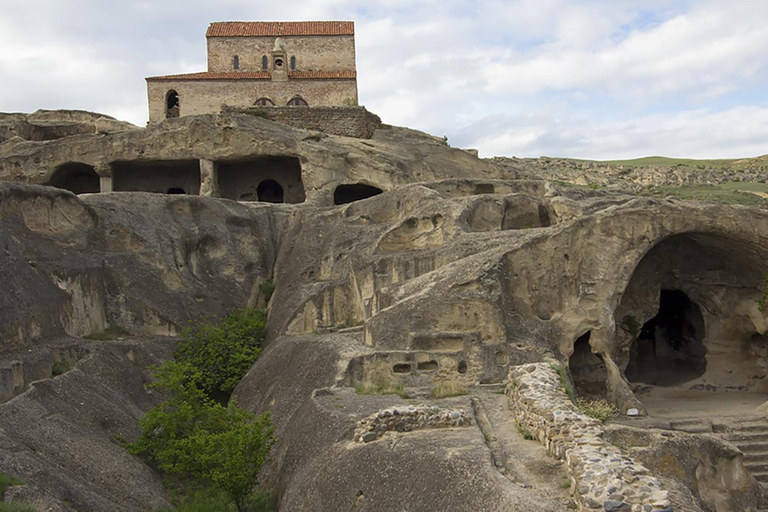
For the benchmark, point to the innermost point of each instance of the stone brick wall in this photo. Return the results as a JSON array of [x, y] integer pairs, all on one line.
[[603, 478], [346, 121], [311, 52], [407, 419], [208, 97]]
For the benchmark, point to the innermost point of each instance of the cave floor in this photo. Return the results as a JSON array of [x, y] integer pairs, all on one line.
[[676, 402]]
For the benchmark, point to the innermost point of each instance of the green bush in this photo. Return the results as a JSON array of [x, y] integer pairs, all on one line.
[[222, 353], [565, 381], [60, 367], [193, 436]]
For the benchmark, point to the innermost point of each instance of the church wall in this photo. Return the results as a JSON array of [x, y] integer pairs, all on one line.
[[207, 97], [312, 52]]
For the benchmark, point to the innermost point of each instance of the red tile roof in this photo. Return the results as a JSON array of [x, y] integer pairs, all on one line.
[[280, 28], [256, 75]]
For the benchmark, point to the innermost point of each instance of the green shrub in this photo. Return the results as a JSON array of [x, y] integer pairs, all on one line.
[[60, 367], [7, 481], [193, 436], [267, 288], [222, 352], [599, 409]]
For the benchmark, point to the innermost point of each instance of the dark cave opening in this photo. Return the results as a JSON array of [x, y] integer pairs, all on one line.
[[587, 368], [669, 348], [349, 193], [270, 191], [76, 177]]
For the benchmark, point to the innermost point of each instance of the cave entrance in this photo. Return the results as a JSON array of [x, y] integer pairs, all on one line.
[[158, 176], [270, 191], [273, 179], [669, 348], [587, 369], [349, 193], [78, 178]]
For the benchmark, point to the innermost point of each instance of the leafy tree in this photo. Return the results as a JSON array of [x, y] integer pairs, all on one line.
[[191, 435], [222, 353]]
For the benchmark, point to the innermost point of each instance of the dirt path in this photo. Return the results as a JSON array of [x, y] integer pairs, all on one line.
[[526, 461]]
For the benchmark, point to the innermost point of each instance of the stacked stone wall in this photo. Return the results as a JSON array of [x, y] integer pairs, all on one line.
[[407, 419], [603, 478], [345, 121]]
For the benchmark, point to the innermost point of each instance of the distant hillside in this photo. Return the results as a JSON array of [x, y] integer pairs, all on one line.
[[734, 181]]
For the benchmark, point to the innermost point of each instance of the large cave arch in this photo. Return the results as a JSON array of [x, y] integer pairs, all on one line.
[[688, 315], [76, 177]]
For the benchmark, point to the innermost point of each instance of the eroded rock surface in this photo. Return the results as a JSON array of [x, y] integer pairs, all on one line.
[[457, 271]]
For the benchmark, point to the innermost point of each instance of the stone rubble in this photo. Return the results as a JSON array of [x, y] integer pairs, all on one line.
[[407, 419], [602, 477]]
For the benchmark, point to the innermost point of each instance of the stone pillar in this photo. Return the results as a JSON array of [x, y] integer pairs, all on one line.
[[209, 178], [105, 183]]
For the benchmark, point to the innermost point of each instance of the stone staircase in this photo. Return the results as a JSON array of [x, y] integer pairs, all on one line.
[[749, 434]]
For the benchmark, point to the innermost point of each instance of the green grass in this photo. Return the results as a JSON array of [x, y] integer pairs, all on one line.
[[726, 193], [565, 382], [381, 388], [523, 431], [599, 409], [7, 481], [191, 498], [110, 333], [663, 161], [17, 506], [447, 389]]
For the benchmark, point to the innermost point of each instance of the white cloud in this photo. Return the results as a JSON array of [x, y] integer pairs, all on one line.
[[569, 77]]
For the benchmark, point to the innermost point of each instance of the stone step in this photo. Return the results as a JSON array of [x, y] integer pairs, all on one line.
[[760, 476], [692, 427], [746, 439], [757, 468], [755, 456], [761, 426], [751, 447]]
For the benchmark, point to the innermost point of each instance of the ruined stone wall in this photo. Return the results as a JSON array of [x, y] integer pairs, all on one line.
[[345, 121], [602, 476], [208, 97], [312, 52]]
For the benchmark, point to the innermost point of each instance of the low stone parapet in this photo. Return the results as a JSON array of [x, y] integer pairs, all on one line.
[[407, 419], [346, 121], [602, 477]]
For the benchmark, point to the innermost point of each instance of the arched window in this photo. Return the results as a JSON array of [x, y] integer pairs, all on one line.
[[270, 191], [76, 177], [264, 63], [236, 62], [172, 106], [293, 62], [278, 63], [297, 101], [264, 102]]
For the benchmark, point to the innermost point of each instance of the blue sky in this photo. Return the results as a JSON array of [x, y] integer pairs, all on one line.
[[587, 78]]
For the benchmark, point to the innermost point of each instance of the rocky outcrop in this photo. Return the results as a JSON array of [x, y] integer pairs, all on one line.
[[44, 125], [456, 272]]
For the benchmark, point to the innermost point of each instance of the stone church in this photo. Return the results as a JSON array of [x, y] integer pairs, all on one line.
[[307, 63]]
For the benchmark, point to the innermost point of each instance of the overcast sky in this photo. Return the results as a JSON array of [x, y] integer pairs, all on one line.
[[581, 78]]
